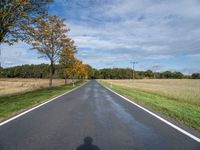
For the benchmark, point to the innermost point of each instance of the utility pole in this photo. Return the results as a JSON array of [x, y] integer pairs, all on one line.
[[133, 65], [111, 84], [110, 73], [155, 68], [0, 60], [0, 55]]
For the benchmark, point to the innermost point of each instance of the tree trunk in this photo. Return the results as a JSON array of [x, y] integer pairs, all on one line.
[[73, 82], [65, 81], [1, 37], [51, 74], [50, 80]]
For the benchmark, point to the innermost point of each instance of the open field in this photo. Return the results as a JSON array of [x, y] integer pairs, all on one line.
[[184, 90], [177, 99], [13, 104], [10, 86]]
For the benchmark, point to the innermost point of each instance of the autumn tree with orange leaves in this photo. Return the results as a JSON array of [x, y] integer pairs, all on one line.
[[77, 70], [67, 57], [73, 68], [48, 37]]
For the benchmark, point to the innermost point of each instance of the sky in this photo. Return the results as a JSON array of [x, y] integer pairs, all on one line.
[[158, 34]]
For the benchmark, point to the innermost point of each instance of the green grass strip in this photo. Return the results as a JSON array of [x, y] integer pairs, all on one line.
[[11, 105], [188, 114]]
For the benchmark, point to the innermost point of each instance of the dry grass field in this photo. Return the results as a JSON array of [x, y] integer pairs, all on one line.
[[16, 85], [173, 98], [185, 90]]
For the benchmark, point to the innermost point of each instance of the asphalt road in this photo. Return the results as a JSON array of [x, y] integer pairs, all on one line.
[[91, 118]]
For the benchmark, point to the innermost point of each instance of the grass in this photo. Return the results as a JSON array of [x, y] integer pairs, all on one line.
[[183, 90], [182, 111], [9, 86], [11, 105]]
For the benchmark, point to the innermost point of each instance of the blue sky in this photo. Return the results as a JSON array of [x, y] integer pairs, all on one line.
[[158, 34]]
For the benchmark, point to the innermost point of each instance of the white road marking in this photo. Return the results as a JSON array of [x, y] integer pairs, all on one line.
[[158, 117], [31, 109]]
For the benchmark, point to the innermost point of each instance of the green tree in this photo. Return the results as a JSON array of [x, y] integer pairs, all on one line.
[[149, 74], [178, 75], [195, 76]]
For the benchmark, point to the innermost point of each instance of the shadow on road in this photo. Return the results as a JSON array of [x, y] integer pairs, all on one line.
[[87, 145]]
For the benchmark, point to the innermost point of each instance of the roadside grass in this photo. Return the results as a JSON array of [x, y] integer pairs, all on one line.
[[14, 104], [189, 114], [183, 90]]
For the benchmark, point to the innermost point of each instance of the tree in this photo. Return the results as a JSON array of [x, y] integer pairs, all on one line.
[[15, 14], [48, 37], [82, 71], [74, 68], [177, 75], [195, 76], [67, 56], [148, 74], [166, 74]]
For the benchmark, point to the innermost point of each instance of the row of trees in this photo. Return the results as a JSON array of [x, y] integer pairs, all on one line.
[[28, 20], [127, 73], [75, 69]]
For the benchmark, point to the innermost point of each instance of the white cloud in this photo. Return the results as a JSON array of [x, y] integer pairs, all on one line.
[[194, 56], [189, 71], [154, 28], [19, 54], [158, 57]]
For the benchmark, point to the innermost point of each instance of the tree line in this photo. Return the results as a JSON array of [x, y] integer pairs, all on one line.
[[77, 72], [127, 73], [41, 71]]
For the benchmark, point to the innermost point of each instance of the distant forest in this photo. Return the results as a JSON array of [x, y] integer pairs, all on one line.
[[42, 71]]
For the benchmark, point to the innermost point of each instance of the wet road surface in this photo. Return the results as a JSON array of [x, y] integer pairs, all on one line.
[[91, 117]]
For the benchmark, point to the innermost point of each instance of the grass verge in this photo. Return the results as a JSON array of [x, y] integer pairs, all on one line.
[[11, 105], [188, 114]]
